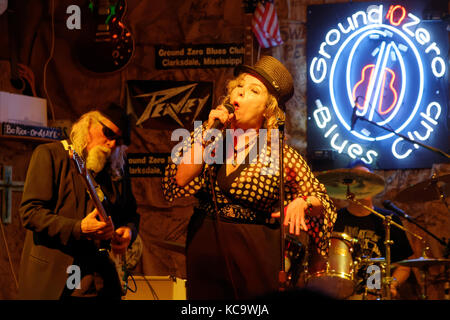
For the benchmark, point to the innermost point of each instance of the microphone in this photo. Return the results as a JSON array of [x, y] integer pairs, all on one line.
[[390, 206], [354, 117], [217, 124]]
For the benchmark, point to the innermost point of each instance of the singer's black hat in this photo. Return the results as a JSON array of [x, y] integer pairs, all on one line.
[[274, 75]]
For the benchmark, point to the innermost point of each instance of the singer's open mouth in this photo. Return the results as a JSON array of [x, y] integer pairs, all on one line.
[[236, 105]]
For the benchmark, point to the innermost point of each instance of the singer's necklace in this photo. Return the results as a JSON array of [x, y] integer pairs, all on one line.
[[244, 148]]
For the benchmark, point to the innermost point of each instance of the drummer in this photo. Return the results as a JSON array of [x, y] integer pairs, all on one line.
[[360, 223]]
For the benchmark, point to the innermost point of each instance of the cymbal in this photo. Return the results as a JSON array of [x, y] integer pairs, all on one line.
[[422, 262], [362, 184], [427, 190]]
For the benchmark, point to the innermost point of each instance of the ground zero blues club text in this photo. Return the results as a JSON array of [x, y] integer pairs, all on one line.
[[374, 67]]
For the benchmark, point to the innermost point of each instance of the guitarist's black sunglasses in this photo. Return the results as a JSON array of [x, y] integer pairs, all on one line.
[[109, 134]]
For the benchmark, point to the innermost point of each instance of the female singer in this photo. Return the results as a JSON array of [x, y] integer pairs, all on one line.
[[233, 240]]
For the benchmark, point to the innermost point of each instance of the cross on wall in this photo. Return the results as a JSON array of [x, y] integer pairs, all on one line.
[[7, 186]]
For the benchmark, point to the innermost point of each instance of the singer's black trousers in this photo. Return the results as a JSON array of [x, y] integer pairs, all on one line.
[[241, 261]]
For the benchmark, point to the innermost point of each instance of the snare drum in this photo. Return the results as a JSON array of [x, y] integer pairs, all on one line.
[[334, 274]]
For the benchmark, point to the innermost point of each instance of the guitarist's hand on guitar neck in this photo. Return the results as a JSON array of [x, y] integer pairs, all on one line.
[[94, 229], [121, 240]]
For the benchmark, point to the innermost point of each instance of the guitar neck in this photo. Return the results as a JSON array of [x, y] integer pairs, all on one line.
[[94, 196], [87, 178]]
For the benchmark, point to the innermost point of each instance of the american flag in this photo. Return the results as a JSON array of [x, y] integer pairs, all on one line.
[[265, 24]]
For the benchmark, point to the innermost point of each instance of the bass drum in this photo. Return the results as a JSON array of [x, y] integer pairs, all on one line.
[[332, 275]]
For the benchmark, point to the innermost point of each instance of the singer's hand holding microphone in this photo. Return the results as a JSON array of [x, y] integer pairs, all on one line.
[[220, 116], [192, 162]]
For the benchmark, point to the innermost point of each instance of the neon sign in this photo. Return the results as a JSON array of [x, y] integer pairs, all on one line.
[[378, 66]]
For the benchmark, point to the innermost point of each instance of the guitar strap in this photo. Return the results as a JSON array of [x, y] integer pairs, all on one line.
[[66, 145]]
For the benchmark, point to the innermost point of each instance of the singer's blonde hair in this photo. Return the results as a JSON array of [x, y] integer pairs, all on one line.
[[271, 114]]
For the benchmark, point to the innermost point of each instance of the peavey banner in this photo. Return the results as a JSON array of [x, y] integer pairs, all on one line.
[[168, 105]]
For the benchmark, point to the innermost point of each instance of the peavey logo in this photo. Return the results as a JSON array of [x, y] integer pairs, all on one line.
[[182, 103], [376, 65]]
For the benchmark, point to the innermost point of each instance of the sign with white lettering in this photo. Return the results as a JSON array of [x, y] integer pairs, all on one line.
[[22, 130], [147, 164], [376, 72], [199, 56]]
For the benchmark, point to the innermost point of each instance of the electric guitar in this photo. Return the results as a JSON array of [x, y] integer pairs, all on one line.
[[105, 44], [98, 198]]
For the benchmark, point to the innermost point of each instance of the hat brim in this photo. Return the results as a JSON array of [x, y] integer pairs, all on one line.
[[117, 115], [261, 75]]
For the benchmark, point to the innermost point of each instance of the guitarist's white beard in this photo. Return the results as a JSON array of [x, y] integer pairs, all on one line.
[[97, 157]]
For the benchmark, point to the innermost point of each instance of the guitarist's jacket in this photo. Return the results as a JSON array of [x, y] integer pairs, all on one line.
[[54, 202]]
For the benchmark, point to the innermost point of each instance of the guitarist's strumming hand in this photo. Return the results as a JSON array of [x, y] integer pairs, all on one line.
[[121, 240], [94, 229]]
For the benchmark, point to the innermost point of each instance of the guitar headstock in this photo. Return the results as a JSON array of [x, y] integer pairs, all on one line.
[[106, 16], [80, 163]]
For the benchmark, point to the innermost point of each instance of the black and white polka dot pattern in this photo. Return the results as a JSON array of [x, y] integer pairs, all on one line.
[[256, 186]]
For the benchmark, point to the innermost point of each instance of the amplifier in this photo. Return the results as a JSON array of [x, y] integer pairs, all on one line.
[[19, 108]]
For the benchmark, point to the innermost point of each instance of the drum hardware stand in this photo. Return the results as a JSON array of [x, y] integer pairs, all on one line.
[[388, 242], [435, 183], [441, 241], [424, 270], [434, 178]]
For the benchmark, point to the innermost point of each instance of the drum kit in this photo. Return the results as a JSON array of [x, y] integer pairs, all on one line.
[[339, 274]]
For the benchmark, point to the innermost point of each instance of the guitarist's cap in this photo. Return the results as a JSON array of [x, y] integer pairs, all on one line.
[[117, 115], [274, 75]]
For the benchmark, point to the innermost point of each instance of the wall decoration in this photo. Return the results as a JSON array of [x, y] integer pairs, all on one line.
[[169, 104], [199, 56], [376, 72]]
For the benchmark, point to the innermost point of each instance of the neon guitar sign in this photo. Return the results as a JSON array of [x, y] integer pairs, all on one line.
[[386, 64]]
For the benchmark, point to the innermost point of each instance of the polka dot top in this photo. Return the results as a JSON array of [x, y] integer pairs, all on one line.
[[255, 185]]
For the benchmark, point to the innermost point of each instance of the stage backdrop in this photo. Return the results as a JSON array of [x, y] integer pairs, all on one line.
[[49, 48]]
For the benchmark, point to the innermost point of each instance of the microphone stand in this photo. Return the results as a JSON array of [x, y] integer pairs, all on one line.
[[282, 277], [388, 242], [442, 197], [436, 150], [407, 217], [423, 270]]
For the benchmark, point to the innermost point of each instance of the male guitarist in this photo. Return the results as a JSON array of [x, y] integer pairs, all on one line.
[[65, 254]]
